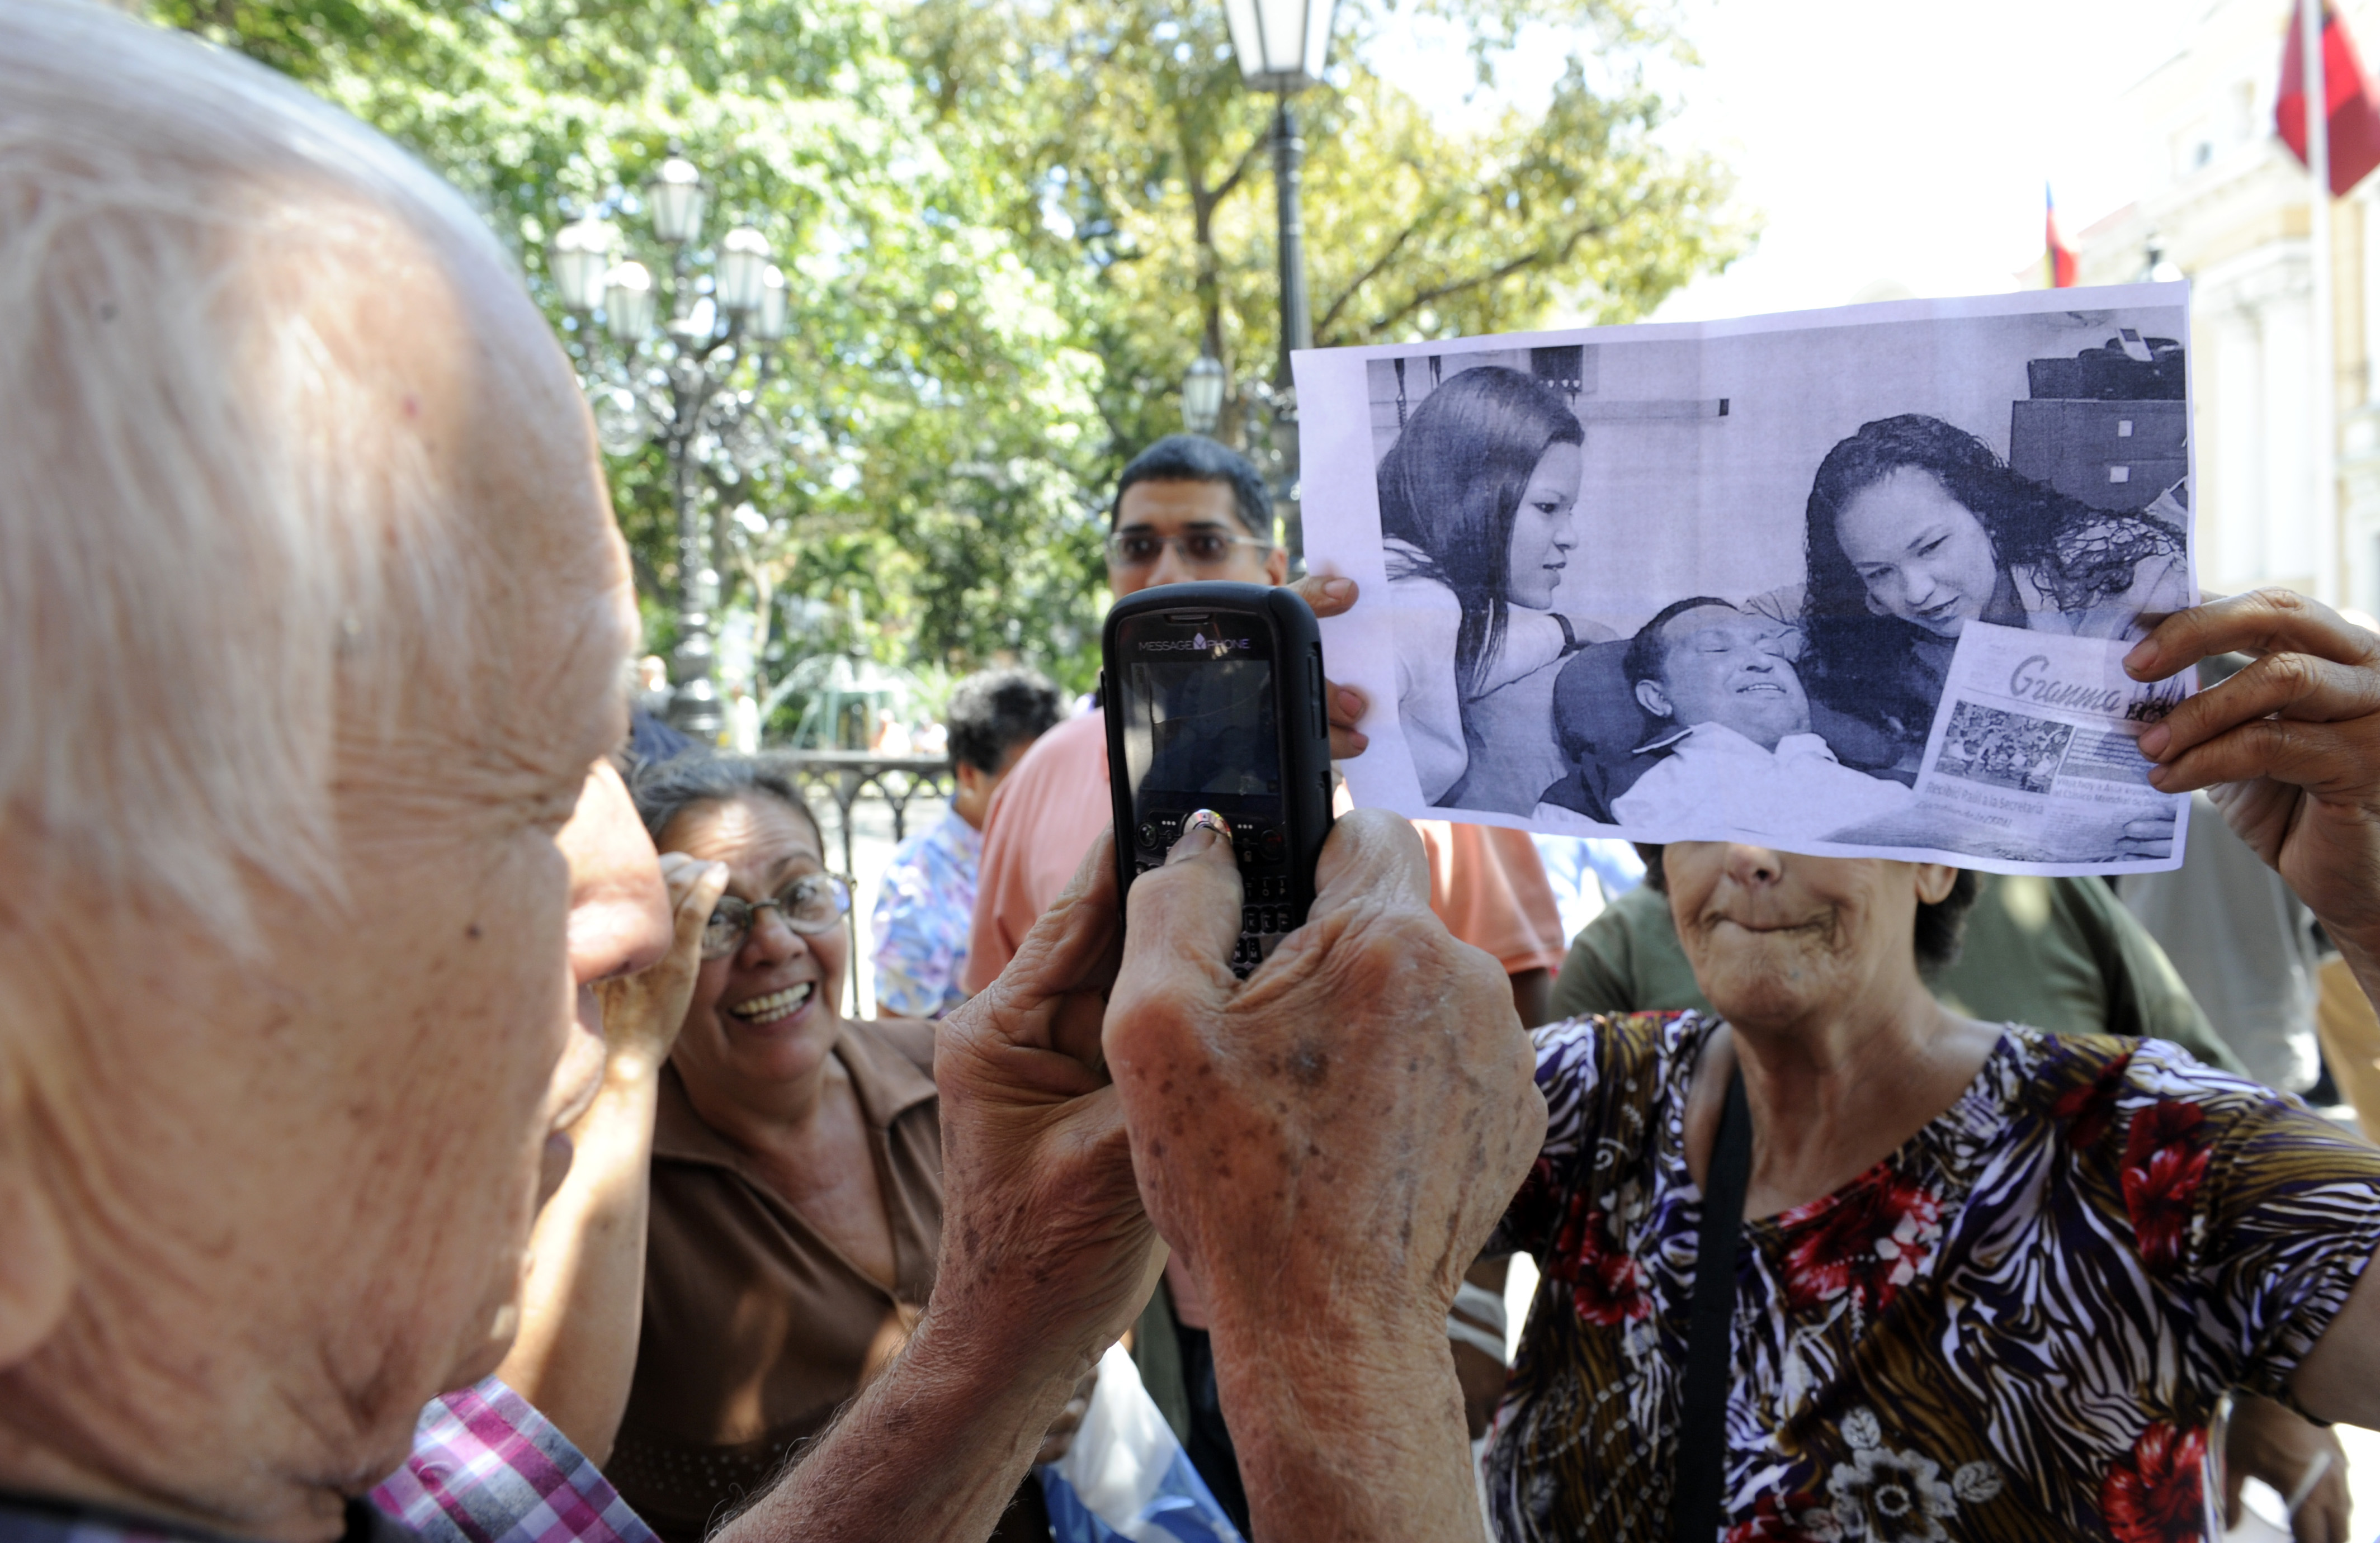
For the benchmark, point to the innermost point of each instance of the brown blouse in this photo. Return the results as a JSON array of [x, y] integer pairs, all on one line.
[[756, 1329]]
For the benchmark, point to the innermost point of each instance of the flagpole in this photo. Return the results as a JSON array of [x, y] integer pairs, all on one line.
[[2322, 419]]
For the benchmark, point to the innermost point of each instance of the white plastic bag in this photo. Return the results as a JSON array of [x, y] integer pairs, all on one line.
[[1126, 1477]]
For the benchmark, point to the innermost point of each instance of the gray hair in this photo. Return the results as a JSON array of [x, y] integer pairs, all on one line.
[[219, 546]]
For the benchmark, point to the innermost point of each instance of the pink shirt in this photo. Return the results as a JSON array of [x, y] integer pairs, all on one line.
[[1487, 884], [1489, 887], [1043, 817]]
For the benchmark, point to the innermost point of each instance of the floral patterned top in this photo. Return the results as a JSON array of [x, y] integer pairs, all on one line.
[[924, 910], [2015, 1327]]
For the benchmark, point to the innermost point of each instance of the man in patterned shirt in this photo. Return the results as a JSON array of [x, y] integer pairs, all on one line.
[[313, 619], [927, 904]]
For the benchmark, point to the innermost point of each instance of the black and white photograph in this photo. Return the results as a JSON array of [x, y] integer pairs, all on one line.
[[1858, 581]]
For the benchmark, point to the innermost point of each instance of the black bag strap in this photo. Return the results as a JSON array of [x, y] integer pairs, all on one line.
[[1702, 1431]]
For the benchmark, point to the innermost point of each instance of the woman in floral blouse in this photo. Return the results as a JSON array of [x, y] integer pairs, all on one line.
[[1992, 1283]]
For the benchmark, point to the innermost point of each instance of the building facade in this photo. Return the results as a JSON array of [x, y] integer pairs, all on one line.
[[2224, 201]]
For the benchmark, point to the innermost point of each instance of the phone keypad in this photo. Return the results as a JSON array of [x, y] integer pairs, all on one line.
[[1268, 913], [1269, 910]]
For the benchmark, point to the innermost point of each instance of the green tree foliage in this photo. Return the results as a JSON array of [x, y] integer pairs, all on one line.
[[939, 413], [1154, 189], [1007, 226]]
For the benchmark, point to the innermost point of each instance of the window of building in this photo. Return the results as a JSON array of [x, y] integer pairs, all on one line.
[[2245, 121]]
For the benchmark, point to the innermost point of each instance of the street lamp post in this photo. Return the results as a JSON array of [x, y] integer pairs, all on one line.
[[1281, 46], [1202, 395], [676, 387]]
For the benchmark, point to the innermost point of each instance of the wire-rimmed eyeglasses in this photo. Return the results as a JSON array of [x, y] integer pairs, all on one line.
[[810, 905]]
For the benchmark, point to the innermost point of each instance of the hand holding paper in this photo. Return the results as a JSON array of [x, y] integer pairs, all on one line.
[[2288, 748], [1856, 583]]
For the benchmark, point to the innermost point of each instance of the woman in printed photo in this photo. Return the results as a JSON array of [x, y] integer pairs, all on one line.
[[1916, 528], [1478, 517]]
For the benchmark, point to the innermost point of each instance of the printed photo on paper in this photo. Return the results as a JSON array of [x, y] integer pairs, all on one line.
[[1854, 581]]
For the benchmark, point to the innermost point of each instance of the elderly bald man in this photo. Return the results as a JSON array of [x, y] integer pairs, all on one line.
[[312, 621]]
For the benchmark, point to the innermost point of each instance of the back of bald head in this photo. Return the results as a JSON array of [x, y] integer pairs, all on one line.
[[237, 528]]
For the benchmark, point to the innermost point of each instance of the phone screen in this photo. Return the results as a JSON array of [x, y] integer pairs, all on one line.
[[1205, 712], [1203, 728]]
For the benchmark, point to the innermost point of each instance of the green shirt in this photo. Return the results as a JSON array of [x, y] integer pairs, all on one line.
[[2058, 954]]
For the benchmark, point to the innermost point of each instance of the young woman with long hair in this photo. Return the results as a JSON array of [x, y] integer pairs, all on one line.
[[1477, 514]]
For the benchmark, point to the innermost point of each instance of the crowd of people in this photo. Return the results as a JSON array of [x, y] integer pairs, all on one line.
[[428, 1112]]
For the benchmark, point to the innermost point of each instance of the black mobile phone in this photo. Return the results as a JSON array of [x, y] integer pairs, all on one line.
[[1213, 694]]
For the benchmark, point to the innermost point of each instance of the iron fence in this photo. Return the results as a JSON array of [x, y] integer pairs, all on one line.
[[842, 779]]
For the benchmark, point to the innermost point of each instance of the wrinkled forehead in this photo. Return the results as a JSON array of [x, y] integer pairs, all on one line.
[[755, 832], [488, 402], [296, 394]]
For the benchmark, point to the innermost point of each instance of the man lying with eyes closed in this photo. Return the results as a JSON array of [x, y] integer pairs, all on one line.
[[1739, 741]]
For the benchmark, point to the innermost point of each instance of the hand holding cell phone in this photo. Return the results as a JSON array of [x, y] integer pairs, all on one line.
[[1215, 703]]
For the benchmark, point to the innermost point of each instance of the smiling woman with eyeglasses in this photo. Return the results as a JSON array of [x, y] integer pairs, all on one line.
[[798, 1162]]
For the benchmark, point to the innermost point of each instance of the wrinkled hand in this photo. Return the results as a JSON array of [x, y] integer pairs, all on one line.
[[1331, 1142], [2267, 1441], [1044, 1241], [1328, 595], [2288, 748], [642, 1013]]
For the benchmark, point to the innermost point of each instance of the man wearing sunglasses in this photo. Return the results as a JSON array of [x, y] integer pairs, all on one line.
[[1185, 509]]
